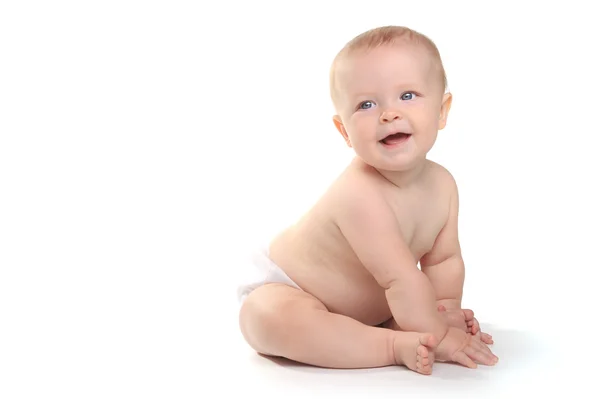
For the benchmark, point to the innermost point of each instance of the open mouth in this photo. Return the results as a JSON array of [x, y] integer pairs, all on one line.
[[395, 138]]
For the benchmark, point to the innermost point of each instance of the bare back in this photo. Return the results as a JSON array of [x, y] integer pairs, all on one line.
[[315, 254]]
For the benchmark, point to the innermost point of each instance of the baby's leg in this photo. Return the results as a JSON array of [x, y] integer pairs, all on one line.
[[278, 320]]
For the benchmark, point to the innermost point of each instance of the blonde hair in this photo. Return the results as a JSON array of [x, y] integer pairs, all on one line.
[[385, 35]]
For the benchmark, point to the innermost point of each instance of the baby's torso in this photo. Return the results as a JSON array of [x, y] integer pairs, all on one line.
[[314, 253]]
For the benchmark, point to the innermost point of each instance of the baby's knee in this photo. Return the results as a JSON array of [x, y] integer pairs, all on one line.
[[265, 306], [263, 317]]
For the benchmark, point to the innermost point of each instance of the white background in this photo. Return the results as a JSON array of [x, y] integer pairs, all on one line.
[[145, 146]]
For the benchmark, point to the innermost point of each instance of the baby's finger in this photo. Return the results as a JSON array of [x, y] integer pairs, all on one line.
[[477, 344], [480, 356], [462, 358], [487, 351], [480, 346], [487, 338]]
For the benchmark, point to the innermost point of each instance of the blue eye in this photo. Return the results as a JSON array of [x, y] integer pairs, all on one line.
[[408, 96], [366, 105]]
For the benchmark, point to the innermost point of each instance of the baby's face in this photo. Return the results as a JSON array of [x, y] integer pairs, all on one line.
[[391, 104]]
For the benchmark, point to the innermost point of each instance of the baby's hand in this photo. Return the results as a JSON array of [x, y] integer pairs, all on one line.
[[461, 347], [465, 320]]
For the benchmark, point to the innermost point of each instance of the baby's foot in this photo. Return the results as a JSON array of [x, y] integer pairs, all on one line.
[[415, 351]]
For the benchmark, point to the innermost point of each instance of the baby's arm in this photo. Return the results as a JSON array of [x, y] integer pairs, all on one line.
[[445, 268], [444, 265], [372, 230]]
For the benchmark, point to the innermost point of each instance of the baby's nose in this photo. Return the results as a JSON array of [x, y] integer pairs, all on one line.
[[390, 116]]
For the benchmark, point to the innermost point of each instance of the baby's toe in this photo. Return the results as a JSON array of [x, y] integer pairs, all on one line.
[[423, 356], [423, 368], [422, 351], [469, 314], [428, 340]]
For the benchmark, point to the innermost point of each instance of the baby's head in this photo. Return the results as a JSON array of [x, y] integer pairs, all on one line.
[[388, 88]]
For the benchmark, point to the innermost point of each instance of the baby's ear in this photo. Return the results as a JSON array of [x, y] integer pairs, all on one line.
[[446, 104], [337, 121]]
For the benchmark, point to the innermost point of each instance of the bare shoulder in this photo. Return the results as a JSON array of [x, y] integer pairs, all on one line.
[[358, 188], [442, 178]]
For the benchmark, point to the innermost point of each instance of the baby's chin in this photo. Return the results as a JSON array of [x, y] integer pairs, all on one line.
[[406, 165]]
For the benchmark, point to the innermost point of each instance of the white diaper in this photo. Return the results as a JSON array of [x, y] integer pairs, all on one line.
[[261, 270]]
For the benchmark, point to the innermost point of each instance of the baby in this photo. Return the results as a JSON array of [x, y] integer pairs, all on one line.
[[342, 287]]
